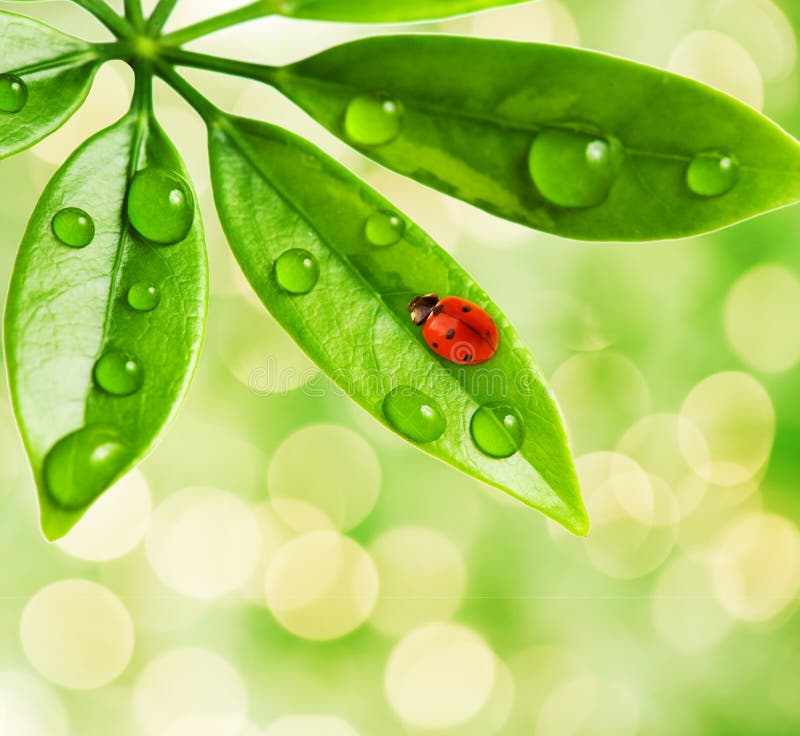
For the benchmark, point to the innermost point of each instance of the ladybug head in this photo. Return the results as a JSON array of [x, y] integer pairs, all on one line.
[[421, 307]]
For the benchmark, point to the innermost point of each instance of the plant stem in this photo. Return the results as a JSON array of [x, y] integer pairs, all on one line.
[[258, 72], [100, 10], [160, 16], [258, 9], [135, 14], [210, 113]]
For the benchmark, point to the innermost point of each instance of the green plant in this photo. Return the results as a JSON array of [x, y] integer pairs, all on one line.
[[108, 299]]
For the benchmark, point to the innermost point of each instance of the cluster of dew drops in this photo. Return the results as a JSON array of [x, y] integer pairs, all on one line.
[[160, 208], [570, 169]]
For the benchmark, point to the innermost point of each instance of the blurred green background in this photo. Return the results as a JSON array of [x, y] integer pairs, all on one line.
[[281, 565]]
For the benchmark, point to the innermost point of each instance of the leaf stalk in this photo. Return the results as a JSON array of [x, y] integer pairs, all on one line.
[[255, 10], [118, 25]]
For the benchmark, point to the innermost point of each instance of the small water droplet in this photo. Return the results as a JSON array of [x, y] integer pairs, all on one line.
[[373, 120], [82, 464], [414, 414], [13, 93], [143, 296], [385, 228], [497, 430], [712, 174], [73, 227], [161, 206], [573, 169], [118, 373], [297, 271]]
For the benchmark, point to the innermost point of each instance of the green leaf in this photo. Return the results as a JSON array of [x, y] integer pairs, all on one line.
[[276, 194], [381, 11], [615, 140], [57, 71], [68, 306]]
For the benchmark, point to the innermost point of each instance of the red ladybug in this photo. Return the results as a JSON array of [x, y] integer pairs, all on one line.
[[454, 328]]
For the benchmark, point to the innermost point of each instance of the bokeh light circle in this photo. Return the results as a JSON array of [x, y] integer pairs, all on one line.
[[634, 515], [203, 542], [189, 686], [734, 413], [721, 62], [589, 706], [761, 318], [115, 523], [600, 393], [326, 467], [77, 634], [757, 566], [321, 585], [439, 676], [685, 611], [422, 578], [28, 707]]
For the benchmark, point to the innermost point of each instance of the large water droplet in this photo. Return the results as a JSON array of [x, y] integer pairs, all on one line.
[[296, 271], [82, 464], [385, 228], [373, 120], [143, 296], [573, 169], [118, 373], [13, 93], [712, 174], [73, 227], [161, 206], [497, 429], [414, 414]]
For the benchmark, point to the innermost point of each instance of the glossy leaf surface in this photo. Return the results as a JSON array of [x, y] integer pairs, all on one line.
[[381, 11], [287, 207], [68, 306], [615, 140], [56, 70]]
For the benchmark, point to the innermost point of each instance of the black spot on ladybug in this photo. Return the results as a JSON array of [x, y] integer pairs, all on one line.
[[450, 334], [436, 344], [438, 308], [466, 309], [467, 358]]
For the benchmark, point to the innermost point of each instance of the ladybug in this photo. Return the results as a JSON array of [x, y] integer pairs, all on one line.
[[455, 329]]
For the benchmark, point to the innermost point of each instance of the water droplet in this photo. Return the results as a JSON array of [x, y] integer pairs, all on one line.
[[73, 227], [414, 414], [117, 373], [161, 206], [712, 174], [385, 228], [373, 120], [296, 271], [82, 464], [13, 93], [573, 169], [143, 296], [497, 429]]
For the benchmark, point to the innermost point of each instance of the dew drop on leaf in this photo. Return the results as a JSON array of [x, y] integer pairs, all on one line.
[[84, 463], [161, 206], [73, 227], [414, 414], [118, 373], [573, 169], [497, 430], [297, 271], [712, 174], [385, 228], [143, 296], [13, 93], [373, 120]]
